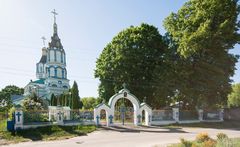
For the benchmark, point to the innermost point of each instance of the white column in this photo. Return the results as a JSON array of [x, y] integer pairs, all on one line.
[[221, 114], [96, 116], [18, 119], [200, 114], [59, 116], [176, 114], [148, 118], [67, 112]]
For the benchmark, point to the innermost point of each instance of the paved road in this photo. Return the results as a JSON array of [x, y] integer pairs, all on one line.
[[140, 137]]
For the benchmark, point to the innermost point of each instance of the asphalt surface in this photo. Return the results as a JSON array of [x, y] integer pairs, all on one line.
[[131, 137]]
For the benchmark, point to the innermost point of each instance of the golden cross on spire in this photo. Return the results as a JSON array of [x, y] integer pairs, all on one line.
[[54, 15]]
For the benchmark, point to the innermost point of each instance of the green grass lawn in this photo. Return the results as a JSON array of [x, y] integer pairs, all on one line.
[[45, 133], [3, 125], [216, 125]]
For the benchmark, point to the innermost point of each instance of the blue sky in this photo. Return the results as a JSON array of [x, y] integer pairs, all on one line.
[[85, 27]]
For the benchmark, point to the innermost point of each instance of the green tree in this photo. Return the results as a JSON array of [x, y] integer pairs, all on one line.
[[204, 31], [5, 95], [234, 96], [34, 103], [75, 104], [53, 100], [135, 56], [89, 102]]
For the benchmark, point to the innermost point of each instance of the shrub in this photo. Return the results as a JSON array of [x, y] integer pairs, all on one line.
[[185, 143], [202, 137], [221, 136], [209, 143]]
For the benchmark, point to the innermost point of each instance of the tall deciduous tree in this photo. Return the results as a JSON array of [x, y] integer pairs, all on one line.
[[135, 56], [204, 31], [75, 96], [234, 96]]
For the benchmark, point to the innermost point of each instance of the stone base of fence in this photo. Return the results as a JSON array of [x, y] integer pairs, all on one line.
[[163, 122], [189, 121]]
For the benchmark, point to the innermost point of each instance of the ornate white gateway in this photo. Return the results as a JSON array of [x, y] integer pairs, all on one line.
[[110, 108]]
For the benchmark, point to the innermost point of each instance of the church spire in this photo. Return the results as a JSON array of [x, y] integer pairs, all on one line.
[[55, 24], [55, 40]]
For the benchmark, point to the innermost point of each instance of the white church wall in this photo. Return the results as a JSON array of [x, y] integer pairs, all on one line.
[[59, 72], [51, 56], [52, 71], [58, 56]]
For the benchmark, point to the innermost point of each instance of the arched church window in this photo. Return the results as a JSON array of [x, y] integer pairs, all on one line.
[[65, 86], [54, 85]]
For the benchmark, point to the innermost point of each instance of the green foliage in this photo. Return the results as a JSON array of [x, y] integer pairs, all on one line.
[[5, 96], [234, 96], [75, 99], [89, 102], [34, 103], [46, 133], [35, 116], [221, 136], [135, 57], [202, 33], [203, 26], [186, 143], [202, 137], [53, 100], [224, 142]]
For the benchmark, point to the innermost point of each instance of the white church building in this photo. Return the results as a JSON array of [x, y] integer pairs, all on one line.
[[51, 72]]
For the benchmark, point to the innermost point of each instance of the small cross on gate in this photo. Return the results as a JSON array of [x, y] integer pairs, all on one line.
[[18, 116], [97, 117], [110, 118], [60, 115]]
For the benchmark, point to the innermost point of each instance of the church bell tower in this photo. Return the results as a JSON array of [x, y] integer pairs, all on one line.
[[56, 72]]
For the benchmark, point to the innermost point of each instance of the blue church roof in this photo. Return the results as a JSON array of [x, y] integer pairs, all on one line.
[[40, 81]]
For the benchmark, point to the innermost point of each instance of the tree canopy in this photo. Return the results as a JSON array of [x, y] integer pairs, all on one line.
[[234, 96], [90, 102], [203, 32], [205, 26], [5, 95], [75, 99], [135, 56]]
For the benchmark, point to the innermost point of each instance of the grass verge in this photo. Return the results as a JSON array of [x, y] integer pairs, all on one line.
[[217, 125], [45, 133]]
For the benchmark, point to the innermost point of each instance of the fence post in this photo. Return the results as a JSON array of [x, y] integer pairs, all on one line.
[[176, 114], [200, 114], [221, 114], [18, 119], [67, 112], [59, 116]]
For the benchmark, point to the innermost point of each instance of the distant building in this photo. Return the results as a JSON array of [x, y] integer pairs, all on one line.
[[51, 70]]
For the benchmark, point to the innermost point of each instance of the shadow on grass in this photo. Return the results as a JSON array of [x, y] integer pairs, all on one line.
[[120, 128], [55, 132]]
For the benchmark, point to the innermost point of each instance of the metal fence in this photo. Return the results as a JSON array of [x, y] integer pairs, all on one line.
[[162, 115], [188, 115], [36, 116], [81, 115], [232, 114], [211, 115]]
